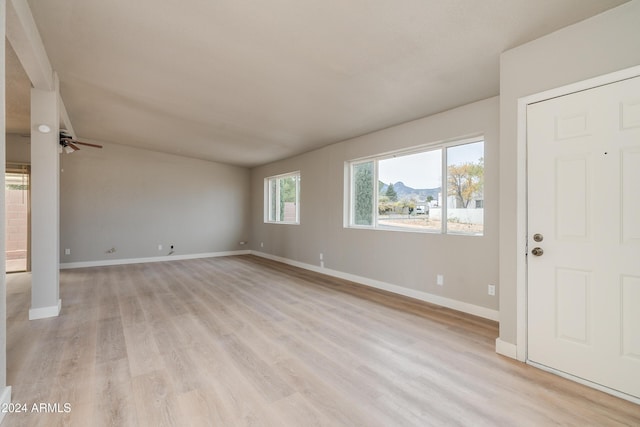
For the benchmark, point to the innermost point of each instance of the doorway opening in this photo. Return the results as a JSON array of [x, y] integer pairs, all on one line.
[[17, 210]]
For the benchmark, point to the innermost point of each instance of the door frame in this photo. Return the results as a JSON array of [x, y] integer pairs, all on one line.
[[24, 168], [522, 198]]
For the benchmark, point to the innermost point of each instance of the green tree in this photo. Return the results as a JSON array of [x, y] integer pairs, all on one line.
[[288, 189], [466, 181], [391, 193], [287, 193]]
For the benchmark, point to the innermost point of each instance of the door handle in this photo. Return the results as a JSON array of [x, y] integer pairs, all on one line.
[[537, 251]]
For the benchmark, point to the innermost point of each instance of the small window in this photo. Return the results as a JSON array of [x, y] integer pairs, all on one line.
[[282, 198], [437, 188]]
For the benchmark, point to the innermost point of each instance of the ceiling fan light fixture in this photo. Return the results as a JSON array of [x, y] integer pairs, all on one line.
[[43, 128]]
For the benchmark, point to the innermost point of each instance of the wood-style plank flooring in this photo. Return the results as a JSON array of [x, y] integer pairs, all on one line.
[[247, 341]]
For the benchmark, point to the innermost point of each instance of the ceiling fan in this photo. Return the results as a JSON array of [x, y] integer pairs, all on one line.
[[69, 145]]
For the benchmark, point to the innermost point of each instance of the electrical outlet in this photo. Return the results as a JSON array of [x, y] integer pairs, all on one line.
[[321, 256], [67, 251], [159, 247], [262, 244], [440, 280], [171, 247], [491, 290]]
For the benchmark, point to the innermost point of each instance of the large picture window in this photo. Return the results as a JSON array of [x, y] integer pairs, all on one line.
[[439, 188], [282, 198]]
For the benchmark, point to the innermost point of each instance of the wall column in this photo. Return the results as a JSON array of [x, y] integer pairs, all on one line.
[[45, 206], [5, 392]]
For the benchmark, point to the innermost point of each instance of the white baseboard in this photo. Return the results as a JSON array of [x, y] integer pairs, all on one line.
[[506, 349], [44, 312], [102, 263], [464, 307], [5, 399]]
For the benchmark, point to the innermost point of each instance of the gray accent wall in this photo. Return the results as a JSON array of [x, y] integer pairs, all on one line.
[[18, 149], [603, 44], [134, 200], [406, 259]]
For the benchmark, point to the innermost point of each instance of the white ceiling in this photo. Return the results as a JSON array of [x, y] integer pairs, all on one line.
[[249, 82]]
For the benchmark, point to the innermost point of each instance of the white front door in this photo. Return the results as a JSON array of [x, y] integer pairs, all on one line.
[[583, 262]]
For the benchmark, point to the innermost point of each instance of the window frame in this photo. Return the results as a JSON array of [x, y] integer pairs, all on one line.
[[443, 146], [268, 197]]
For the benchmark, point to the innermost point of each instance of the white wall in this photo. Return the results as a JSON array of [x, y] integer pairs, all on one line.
[[134, 200], [45, 205], [605, 43], [408, 260]]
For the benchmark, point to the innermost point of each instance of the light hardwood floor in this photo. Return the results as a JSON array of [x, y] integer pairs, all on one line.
[[247, 341]]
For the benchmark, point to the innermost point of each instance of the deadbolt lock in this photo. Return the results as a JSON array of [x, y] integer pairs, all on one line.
[[538, 237], [537, 251]]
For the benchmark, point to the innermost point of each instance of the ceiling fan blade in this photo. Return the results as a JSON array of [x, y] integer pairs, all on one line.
[[87, 144], [66, 138], [72, 145]]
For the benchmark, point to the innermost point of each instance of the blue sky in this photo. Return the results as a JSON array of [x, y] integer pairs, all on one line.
[[424, 170]]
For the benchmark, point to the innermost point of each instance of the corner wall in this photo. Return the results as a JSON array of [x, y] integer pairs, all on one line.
[[603, 44], [134, 200], [5, 391], [404, 259]]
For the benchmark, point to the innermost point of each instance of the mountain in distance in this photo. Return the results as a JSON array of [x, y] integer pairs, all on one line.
[[406, 192]]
